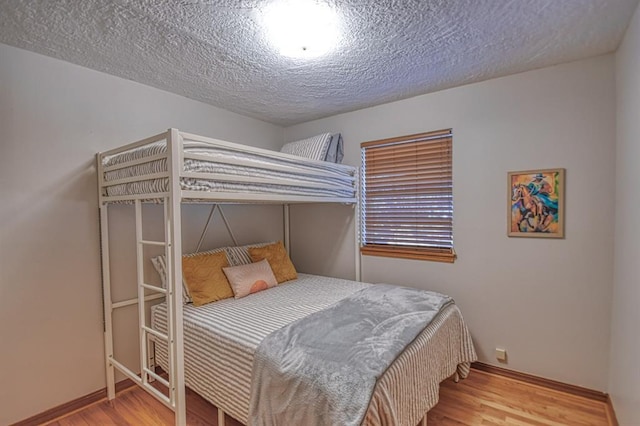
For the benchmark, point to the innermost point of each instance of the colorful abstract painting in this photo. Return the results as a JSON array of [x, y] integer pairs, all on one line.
[[536, 204]]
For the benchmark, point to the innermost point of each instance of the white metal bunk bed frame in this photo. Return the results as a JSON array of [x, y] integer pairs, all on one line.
[[172, 223]]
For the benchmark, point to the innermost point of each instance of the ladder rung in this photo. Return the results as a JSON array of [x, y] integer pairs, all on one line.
[[125, 370], [154, 288], [154, 243], [159, 395], [115, 305], [156, 333], [157, 377]]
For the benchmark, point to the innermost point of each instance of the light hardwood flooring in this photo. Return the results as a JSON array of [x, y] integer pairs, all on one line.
[[481, 399]]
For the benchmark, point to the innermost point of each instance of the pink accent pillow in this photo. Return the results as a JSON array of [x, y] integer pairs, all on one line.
[[251, 278]]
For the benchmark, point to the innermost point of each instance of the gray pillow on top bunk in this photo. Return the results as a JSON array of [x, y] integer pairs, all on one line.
[[324, 147]]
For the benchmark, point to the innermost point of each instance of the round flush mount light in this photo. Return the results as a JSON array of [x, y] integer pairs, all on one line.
[[301, 28]]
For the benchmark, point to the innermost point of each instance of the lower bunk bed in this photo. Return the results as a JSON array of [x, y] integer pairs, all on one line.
[[221, 341]]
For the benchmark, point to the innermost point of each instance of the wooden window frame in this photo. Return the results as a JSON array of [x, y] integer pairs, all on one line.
[[434, 169]]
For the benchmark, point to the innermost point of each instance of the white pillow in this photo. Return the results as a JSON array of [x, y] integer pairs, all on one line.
[[314, 148], [251, 278]]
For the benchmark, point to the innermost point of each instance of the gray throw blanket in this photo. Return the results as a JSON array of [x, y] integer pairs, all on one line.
[[322, 369]]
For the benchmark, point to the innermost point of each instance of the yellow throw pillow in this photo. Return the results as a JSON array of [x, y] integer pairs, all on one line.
[[205, 279], [278, 259]]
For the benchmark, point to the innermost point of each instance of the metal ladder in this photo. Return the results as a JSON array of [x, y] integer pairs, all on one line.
[[176, 396], [146, 373]]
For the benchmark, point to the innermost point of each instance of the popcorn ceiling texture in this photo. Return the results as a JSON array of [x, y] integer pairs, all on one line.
[[216, 52]]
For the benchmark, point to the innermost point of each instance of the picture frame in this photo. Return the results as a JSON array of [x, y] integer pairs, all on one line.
[[535, 203]]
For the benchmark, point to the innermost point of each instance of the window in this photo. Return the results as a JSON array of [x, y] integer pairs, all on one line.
[[406, 198]]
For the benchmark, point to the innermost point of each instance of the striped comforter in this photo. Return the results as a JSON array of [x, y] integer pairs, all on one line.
[[303, 177], [221, 339]]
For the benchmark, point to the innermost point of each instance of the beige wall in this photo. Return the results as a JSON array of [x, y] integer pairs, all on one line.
[[54, 117], [548, 302], [624, 383]]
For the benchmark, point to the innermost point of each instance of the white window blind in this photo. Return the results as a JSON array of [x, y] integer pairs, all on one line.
[[406, 199]]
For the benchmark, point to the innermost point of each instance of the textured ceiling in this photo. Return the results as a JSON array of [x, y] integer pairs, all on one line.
[[215, 51]]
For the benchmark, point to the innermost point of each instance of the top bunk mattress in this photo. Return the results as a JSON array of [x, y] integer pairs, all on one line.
[[226, 168]]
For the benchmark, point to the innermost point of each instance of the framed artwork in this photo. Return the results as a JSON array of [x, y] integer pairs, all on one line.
[[536, 204]]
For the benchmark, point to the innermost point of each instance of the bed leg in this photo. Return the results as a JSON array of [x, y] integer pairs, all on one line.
[[220, 417], [423, 422], [456, 377], [151, 358]]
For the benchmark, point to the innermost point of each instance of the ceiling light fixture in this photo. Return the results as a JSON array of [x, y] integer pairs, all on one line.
[[301, 28]]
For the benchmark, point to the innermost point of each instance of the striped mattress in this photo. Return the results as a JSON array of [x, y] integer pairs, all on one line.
[[298, 176], [220, 340]]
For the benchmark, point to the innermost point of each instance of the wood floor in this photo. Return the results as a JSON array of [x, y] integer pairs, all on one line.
[[482, 399]]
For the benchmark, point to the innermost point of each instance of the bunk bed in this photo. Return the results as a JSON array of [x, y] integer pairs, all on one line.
[[176, 167]]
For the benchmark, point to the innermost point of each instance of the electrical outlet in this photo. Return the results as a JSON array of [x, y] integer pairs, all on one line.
[[501, 354]]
